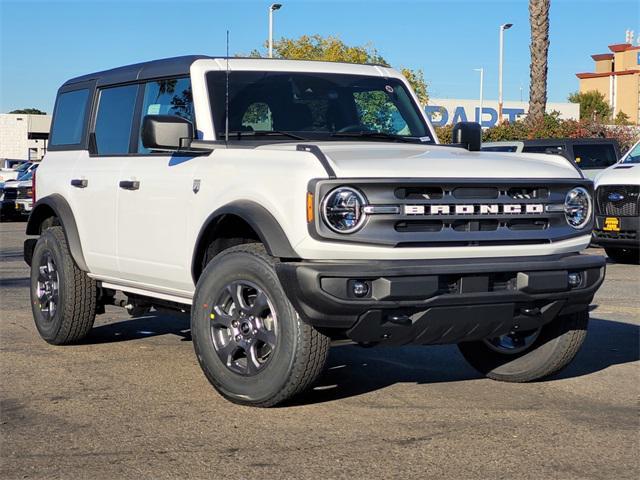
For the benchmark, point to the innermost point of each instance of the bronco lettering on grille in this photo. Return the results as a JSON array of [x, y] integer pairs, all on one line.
[[475, 209]]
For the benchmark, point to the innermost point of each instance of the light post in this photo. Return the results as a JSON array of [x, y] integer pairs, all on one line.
[[481, 70], [272, 8], [503, 27]]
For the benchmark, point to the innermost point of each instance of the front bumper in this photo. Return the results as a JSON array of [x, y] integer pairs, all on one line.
[[627, 237], [439, 301], [12, 208]]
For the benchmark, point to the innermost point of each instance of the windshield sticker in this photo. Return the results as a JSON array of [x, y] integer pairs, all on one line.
[[153, 109], [388, 88], [425, 139]]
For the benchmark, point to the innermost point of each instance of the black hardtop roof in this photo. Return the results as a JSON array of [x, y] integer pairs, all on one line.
[[165, 67], [141, 71], [555, 141]]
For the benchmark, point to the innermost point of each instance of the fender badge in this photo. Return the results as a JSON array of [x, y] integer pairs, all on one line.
[[196, 185]]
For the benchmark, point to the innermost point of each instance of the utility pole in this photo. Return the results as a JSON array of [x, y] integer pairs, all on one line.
[[503, 27], [272, 8], [481, 70]]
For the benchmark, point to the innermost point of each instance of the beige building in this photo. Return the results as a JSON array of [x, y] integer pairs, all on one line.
[[24, 136], [617, 77]]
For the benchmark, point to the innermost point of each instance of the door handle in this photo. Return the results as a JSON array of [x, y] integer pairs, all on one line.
[[129, 184], [79, 182]]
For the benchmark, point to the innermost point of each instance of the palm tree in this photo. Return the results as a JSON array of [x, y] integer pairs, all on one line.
[[539, 20]]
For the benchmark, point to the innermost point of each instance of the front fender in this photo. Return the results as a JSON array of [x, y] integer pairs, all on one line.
[[259, 219]]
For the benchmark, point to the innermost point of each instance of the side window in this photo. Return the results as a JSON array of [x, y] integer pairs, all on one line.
[[167, 97], [114, 119], [70, 112], [257, 117]]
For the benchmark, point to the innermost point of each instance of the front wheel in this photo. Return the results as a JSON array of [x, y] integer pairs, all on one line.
[[249, 340], [63, 297], [624, 255], [531, 355]]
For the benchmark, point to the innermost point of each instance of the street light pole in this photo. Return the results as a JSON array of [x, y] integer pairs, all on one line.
[[503, 27], [272, 8], [481, 70]]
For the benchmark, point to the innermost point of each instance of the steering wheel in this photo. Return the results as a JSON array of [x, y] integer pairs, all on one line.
[[354, 128]]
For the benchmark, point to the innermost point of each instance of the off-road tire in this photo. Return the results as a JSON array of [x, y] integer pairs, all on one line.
[[624, 255], [556, 345], [76, 311], [301, 350]]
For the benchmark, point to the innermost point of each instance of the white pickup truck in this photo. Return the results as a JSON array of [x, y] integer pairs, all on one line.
[[291, 204]]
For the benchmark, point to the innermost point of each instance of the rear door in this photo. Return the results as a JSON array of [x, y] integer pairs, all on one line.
[[154, 211], [94, 185]]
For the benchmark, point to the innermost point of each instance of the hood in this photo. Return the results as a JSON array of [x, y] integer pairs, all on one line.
[[398, 160], [620, 174]]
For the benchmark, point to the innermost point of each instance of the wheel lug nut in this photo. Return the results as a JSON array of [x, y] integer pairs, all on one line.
[[255, 331], [238, 338], [234, 324]]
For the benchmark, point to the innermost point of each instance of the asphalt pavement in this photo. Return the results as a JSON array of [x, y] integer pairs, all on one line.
[[131, 402]]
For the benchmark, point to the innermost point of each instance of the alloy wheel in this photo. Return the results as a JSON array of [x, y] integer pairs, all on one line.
[[244, 328]]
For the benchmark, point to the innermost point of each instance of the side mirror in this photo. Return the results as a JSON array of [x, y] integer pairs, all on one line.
[[467, 134], [166, 132]]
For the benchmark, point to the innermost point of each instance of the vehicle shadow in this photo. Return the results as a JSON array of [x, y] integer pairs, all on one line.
[[353, 371], [151, 325]]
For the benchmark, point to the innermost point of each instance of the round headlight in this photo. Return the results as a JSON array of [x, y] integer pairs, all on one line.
[[577, 207], [342, 210]]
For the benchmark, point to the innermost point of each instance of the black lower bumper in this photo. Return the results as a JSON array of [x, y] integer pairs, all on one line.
[[439, 301], [628, 235]]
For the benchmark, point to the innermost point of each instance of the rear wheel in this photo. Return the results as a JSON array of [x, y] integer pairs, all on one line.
[[531, 355], [249, 340], [63, 297], [624, 255]]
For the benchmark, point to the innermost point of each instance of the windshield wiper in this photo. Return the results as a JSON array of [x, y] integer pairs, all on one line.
[[381, 135], [261, 133]]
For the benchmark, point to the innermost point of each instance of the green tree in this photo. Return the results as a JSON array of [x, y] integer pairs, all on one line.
[[29, 111], [593, 106], [333, 49], [621, 119]]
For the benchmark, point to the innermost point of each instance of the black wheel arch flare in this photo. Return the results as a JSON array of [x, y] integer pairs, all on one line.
[[57, 205], [258, 218]]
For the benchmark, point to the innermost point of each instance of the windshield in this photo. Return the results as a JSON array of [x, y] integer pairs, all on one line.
[[317, 106], [23, 167], [634, 155]]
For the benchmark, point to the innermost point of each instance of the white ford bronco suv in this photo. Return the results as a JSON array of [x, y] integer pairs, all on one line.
[[291, 204]]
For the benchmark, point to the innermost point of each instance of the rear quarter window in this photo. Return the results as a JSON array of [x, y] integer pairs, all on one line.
[[69, 118], [502, 148], [591, 156]]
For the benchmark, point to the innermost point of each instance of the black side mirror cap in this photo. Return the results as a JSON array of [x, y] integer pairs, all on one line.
[[468, 135], [166, 132]]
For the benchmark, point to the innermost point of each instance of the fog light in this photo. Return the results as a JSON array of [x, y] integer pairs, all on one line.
[[359, 288], [575, 279]]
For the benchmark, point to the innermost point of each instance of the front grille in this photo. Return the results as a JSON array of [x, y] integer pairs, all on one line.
[[618, 200], [10, 193], [456, 212], [622, 235]]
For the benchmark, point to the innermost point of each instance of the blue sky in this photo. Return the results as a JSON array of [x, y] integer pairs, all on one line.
[[42, 43]]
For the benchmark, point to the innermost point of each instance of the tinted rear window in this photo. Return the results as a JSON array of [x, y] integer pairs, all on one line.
[[502, 148], [114, 118], [589, 156], [543, 148], [68, 123]]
